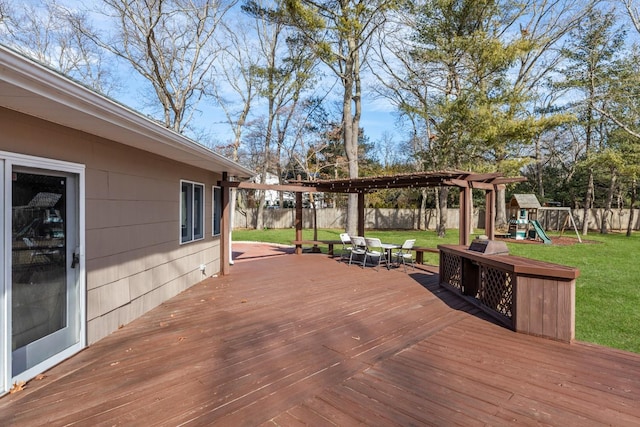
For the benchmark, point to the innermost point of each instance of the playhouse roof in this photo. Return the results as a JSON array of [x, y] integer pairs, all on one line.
[[524, 201]]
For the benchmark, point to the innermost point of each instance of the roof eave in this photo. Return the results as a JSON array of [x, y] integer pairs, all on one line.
[[35, 90]]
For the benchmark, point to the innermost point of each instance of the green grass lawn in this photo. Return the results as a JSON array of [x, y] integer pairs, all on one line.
[[607, 291]]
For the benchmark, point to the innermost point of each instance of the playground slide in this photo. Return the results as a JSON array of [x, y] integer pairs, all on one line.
[[540, 232]]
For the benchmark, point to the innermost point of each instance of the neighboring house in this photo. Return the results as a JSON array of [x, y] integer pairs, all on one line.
[[272, 197], [104, 214]]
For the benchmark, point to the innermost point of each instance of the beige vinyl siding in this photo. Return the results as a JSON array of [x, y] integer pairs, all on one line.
[[134, 260]]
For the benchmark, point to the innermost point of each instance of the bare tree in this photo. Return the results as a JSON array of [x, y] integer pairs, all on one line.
[[339, 32], [47, 33], [284, 73], [5, 11], [237, 68], [634, 12], [409, 84], [171, 43], [625, 82]]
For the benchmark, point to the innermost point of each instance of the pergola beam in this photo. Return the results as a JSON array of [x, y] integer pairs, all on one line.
[[505, 180], [483, 176], [456, 183], [482, 186], [275, 187]]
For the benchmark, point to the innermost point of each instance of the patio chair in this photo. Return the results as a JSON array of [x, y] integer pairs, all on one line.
[[346, 246], [405, 254], [375, 250], [358, 247]]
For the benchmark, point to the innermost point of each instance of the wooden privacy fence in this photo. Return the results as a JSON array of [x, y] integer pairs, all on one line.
[[392, 219], [410, 219]]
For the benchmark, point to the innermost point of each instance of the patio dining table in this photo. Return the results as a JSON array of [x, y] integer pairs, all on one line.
[[389, 247]]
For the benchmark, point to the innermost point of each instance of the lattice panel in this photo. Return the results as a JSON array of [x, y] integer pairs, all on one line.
[[496, 290], [451, 270]]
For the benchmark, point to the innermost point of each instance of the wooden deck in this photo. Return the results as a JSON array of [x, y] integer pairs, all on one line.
[[307, 340]]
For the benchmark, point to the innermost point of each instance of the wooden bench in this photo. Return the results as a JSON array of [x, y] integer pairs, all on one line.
[[420, 250], [329, 243]]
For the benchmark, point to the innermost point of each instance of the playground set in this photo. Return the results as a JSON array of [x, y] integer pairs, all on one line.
[[523, 222]]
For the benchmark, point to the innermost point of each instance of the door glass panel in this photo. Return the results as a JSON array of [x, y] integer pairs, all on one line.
[[39, 290]]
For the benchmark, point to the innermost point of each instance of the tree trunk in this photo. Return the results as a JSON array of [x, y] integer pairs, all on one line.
[[501, 209], [588, 200], [604, 229], [422, 217], [350, 124], [539, 180], [631, 213], [442, 203]]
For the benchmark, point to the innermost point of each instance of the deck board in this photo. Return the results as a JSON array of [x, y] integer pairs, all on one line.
[[289, 340]]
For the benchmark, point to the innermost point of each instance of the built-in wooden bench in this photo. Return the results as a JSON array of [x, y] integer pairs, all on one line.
[[420, 250], [329, 243]]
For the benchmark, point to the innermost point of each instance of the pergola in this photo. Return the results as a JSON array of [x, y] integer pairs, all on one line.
[[465, 181]]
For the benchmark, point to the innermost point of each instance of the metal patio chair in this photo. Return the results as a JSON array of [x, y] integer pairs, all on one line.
[[374, 250], [405, 254], [346, 246], [358, 247]]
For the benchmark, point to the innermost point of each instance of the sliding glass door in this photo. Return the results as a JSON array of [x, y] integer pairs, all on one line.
[[43, 282], [44, 294]]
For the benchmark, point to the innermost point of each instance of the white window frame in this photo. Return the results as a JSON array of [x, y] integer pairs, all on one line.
[[216, 211], [194, 217]]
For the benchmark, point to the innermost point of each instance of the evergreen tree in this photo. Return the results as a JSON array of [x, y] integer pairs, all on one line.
[[590, 56]]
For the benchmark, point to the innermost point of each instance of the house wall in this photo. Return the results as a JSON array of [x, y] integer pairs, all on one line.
[[134, 259]]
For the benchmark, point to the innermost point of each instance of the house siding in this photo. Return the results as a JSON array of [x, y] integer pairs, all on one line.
[[134, 259]]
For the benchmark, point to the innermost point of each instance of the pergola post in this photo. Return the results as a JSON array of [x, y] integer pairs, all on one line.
[[465, 216], [360, 213], [225, 228], [298, 221], [489, 214]]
